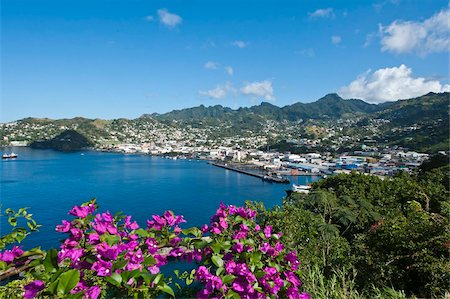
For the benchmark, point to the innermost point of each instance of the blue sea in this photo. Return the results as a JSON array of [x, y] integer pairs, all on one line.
[[51, 182]]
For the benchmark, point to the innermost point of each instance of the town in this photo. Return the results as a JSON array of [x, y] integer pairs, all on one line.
[[309, 148]]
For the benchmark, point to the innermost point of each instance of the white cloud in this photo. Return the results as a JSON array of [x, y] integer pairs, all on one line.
[[240, 44], [168, 19], [229, 70], [336, 39], [150, 18], [431, 35], [322, 13], [390, 84], [219, 92], [211, 65], [259, 89]]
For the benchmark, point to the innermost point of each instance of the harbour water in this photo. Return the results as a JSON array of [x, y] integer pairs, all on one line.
[[50, 183]]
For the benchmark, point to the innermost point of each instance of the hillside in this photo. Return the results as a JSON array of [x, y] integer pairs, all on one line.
[[331, 106], [330, 123]]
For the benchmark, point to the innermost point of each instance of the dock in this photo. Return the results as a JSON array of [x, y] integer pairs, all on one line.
[[258, 175]]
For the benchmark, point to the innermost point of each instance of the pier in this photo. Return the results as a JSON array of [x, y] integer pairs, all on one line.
[[258, 175]]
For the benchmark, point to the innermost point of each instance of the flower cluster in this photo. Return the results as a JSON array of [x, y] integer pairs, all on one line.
[[112, 256], [116, 249], [8, 256], [246, 260]]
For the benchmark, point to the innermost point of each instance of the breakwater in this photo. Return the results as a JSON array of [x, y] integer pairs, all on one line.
[[264, 177]]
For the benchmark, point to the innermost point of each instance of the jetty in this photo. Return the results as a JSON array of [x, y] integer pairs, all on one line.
[[264, 177]]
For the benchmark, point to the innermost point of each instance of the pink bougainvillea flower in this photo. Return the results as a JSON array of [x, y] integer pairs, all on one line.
[[291, 257], [92, 293], [268, 231], [80, 287], [107, 252], [153, 269], [103, 268], [238, 247], [292, 278], [304, 295], [8, 256], [77, 233], [64, 227], [33, 288], [204, 228], [169, 216], [130, 225], [82, 212], [152, 245]]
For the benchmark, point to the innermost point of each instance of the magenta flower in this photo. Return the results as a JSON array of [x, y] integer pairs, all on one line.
[[268, 231], [80, 287], [204, 228], [152, 245], [202, 273], [64, 227], [292, 293], [291, 257], [304, 295], [169, 217], [103, 268], [77, 233], [92, 293], [160, 260], [238, 247], [130, 225], [230, 267], [107, 252], [33, 288], [265, 247], [153, 269], [8, 256], [292, 278], [94, 238], [176, 252], [82, 212]]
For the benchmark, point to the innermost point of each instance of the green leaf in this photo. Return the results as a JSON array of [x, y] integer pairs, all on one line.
[[110, 239], [141, 232], [119, 264], [216, 247], [114, 279], [157, 278], [192, 231], [67, 281], [256, 257], [2, 265], [219, 271], [51, 261], [217, 260], [12, 221], [228, 279], [166, 289]]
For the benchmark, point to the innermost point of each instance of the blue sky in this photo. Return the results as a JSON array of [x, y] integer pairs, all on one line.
[[110, 59]]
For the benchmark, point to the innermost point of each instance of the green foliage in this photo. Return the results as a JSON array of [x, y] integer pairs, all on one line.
[[17, 233], [391, 232]]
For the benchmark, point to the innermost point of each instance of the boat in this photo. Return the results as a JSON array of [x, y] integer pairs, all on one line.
[[9, 156], [301, 188]]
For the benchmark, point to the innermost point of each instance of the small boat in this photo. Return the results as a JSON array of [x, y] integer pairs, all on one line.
[[9, 156], [301, 188]]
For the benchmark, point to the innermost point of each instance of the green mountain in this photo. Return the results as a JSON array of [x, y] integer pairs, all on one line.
[[331, 106], [420, 123], [68, 140]]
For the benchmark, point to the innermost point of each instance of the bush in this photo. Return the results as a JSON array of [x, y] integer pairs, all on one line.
[[112, 256]]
